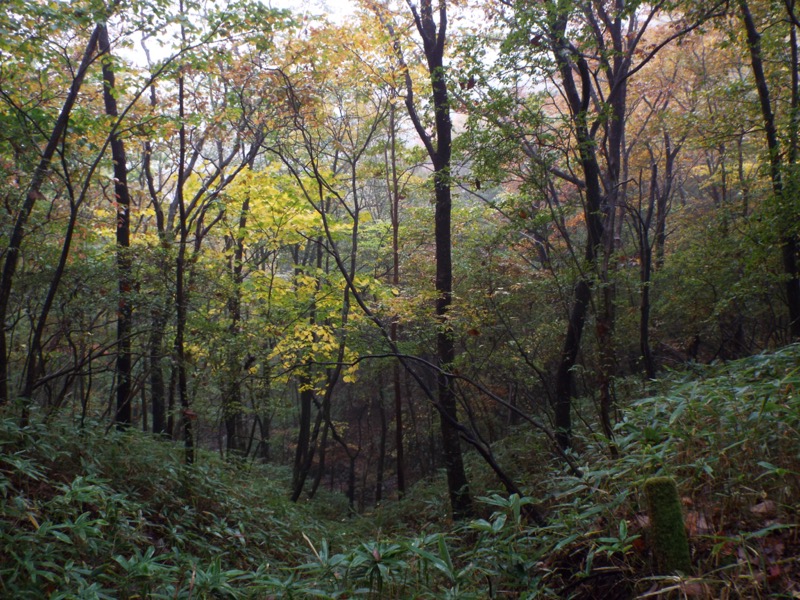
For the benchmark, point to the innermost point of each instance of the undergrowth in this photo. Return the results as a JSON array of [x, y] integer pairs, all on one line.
[[91, 513]]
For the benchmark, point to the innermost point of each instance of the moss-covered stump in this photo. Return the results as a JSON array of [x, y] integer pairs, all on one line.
[[668, 532]]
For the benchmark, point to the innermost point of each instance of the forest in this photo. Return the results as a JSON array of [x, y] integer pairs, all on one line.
[[406, 299]]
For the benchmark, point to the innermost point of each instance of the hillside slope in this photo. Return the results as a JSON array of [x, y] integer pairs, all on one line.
[[93, 513]]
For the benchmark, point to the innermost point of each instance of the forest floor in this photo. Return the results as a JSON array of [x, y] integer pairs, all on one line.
[[92, 513]]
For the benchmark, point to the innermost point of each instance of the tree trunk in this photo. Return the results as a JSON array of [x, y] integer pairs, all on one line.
[[569, 356], [123, 204], [645, 272], [380, 465], [394, 330], [159, 314], [323, 449], [433, 38], [303, 433], [233, 410], [263, 450], [158, 391], [662, 199], [180, 281], [579, 103], [304, 468]]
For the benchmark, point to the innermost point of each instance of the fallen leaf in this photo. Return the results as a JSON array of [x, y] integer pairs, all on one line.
[[774, 547], [697, 523], [641, 520], [766, 508], [695, 589]]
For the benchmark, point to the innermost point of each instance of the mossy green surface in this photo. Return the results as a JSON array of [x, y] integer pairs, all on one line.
[[669, 542]]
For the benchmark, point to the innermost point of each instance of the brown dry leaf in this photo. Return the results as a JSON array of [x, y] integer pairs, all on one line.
[[694, 589], [774, 572], [774, 547], [639, 545], [641, 520], [765, 508], [697, 523]]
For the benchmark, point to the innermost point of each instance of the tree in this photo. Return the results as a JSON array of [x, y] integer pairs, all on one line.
[[434, 37], [78, 166], [590, 52], [123, 229], [783, 172], [32, 194]]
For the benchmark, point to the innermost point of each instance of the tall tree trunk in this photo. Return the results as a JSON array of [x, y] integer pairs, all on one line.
[[302, 450], [351, 483], [180, 280], [263, 450], [579, 104], [384, 433], [159, 314], [323, 450], [304, 468], [394, 330], [433, 38], [662, 199], [158, 390], [645, 271], [306, 440], [172, 432], [123, 204], [234, 408], [791, 248], [565, 388], [615, 189]]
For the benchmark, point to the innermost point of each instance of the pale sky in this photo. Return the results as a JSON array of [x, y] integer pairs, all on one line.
[[335, 8]]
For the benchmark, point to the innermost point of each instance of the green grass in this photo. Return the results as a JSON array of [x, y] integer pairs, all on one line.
[[92, 513]]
